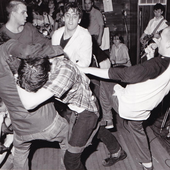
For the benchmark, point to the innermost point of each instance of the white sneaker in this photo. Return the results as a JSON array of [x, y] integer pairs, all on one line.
[[109, 124]]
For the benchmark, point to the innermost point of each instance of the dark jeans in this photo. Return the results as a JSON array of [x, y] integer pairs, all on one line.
[[72, 160], [83, 127], [108, 139]]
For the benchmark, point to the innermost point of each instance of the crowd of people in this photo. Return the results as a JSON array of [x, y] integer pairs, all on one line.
[[57, 59]]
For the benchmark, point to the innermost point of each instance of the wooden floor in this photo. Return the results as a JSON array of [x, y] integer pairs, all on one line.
[[48, 156]]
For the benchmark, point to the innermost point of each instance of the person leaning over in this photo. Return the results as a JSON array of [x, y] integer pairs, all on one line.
[[72, 87]]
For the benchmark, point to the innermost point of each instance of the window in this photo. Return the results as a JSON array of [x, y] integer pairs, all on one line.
[[151, 2]]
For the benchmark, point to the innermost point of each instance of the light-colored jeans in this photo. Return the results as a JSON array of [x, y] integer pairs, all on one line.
[[57, 131]]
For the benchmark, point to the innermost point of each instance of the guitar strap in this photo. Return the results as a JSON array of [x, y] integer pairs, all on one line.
[[154, 31]]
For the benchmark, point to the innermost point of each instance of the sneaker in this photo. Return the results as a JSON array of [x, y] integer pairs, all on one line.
[[145, 168], [150, 168], [112, 160], [109, 124]]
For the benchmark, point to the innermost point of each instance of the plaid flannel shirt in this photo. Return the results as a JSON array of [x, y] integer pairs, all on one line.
[[69, 85]]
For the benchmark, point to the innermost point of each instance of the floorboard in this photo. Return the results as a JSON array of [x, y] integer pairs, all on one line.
[[47, 155]]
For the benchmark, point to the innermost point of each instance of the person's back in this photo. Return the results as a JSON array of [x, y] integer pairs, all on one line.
[[23, 122]]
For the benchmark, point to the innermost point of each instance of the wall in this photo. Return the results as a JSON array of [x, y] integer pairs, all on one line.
[[123, 24]]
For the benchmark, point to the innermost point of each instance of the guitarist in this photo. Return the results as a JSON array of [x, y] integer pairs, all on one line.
[[154, 26]]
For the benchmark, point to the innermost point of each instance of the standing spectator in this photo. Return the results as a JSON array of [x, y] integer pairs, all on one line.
[[58, 15], [17, 27], [95, 24], [52, 7], [119, 54]]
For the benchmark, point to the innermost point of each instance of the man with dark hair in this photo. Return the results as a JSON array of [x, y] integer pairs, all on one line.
[[155, 24], [74, 39], [33, 73], [70, 86]]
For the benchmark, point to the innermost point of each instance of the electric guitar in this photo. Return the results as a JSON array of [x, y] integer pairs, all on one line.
[[146, 40]]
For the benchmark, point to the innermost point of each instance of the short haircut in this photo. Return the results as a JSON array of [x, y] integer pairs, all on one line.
[[33, 73], [75, 7], [13, 6], [159, 6]]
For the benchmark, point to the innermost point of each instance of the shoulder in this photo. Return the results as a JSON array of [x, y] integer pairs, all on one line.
[[82, 34], [28, 24], [59, 30], [83, 30], [64, 65], [123, 46], [152, 20], [96, 11]]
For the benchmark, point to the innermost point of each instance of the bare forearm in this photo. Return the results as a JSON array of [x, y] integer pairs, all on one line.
[[30, 100], [102, 73], [100, 35]]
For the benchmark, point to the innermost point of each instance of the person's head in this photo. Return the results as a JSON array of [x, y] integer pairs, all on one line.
[[72, 15], [158, 10], [17, 10], [163, 42], [88, 4], [33, 73], [51, 4], [117, 39], [37, 12]]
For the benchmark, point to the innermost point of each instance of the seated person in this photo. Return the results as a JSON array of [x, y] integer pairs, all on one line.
[[119, 54], [70, 86]]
